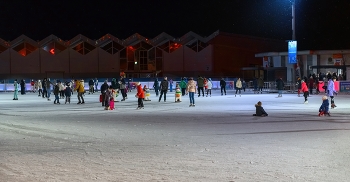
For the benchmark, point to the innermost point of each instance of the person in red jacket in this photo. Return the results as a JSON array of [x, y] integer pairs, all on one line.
[[305, 90], [140, 95]]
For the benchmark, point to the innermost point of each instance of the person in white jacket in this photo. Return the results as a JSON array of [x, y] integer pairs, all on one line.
[[209, 85], [40, 88], [238, 86]]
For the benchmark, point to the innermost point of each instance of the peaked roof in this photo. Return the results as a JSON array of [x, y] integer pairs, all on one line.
[[78, 39], [23, 38], [51, 38], [134, 39], [107, 39]]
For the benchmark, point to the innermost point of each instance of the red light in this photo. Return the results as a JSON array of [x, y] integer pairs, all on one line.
[[52, 51]]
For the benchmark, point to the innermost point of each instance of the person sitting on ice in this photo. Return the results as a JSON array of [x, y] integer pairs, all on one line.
[[259, 110], [324, 109]]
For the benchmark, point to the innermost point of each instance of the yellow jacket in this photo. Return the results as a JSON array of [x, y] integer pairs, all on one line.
[[79, 87]]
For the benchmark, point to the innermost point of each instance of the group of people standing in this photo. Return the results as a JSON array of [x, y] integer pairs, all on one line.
[[59, 89]]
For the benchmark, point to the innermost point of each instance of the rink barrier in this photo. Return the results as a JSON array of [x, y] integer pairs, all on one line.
[[269, 87]]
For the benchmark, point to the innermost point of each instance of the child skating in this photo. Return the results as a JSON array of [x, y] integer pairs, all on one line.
[[140, 95]]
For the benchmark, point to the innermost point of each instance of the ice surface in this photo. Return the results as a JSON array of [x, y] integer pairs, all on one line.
[[218, 140]]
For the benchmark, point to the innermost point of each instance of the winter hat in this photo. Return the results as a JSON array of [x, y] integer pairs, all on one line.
[[138, 83], [259, 103], [324, 97]]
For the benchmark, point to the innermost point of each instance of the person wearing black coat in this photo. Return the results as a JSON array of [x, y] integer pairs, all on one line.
[[156, 86], [23, 87], [103, 89], [163, 88], [223, 86], [280, 86]]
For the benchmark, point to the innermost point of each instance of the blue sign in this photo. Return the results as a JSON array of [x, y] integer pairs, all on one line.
[[344, 86], [292, 52]]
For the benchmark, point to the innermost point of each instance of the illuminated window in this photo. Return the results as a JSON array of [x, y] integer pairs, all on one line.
[[24, 48], [53, 48]]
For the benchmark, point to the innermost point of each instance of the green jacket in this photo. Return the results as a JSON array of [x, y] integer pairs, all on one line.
[[183, 84]]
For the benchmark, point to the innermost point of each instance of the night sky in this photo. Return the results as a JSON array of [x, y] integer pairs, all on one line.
[[320, 24]]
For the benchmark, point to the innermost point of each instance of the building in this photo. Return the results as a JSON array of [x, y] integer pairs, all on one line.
[[217, 55], [309, 62]]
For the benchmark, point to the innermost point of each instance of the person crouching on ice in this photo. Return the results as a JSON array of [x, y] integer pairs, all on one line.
[[324, 109], [259, 110], [178, 93], [147, 93]]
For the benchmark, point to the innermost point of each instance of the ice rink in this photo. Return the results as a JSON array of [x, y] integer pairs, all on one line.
[[218, 140]]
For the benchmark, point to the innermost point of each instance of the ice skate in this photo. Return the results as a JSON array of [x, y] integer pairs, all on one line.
[[306, 102], [321, 114]]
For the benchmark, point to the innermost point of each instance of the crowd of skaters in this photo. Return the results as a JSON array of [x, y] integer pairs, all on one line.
[[189, 86]]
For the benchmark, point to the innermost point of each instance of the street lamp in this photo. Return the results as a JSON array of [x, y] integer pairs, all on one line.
[[293, 19]]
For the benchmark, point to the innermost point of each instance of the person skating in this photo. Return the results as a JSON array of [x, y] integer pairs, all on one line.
[[15, 94], [209, 86], [79, 87], [103, 89], [56, 92], [191, 90], [163, 89], [298, 84], [183, 85], [140, 95], [156, 86], [331, 91], [40, 88], [305, 90], [280, 86], [200, 84], [68, 93], [223, 86], [238, 87]]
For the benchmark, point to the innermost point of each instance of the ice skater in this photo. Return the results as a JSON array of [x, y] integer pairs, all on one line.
[[190, 90], [305, 90], [331, 91], [140, 95]]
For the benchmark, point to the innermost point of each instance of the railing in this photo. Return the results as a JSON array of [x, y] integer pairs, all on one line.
[[269, 87]]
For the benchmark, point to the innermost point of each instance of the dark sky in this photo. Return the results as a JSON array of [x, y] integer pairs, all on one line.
[[320, 24]]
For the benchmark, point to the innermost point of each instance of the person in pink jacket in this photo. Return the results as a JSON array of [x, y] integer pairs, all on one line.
[[190, 90], [305, 90]]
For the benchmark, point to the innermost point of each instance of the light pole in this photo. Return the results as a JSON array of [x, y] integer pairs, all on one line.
[[293, 19], [293, 39]]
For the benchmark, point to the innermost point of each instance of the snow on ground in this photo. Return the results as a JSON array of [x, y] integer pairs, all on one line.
[[218, 140]]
